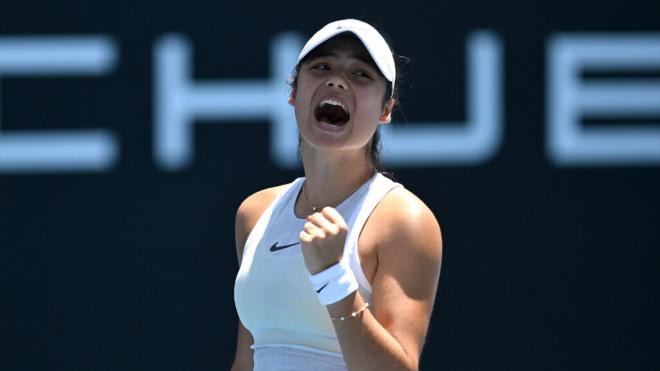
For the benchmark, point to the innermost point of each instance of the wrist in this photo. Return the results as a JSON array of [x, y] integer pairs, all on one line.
[[334, 283]]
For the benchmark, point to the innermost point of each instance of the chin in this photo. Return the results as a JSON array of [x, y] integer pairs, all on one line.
[[321, 142], [328, 143]]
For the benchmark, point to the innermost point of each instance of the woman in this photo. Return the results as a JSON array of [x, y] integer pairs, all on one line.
[[307, 297]]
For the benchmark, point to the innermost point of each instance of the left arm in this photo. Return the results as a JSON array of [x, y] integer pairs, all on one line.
[[389, 335]]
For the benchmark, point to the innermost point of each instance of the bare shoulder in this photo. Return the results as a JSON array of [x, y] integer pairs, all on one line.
[[250, 210], [402, 216], [254, 205], [409, 255]]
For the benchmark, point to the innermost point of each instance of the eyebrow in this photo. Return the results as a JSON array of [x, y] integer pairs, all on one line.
[[361, 57]]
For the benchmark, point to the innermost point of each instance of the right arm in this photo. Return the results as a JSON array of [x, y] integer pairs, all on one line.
[[246, 217]]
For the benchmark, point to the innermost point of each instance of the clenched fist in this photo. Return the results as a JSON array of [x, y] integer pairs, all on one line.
[[322, 239]]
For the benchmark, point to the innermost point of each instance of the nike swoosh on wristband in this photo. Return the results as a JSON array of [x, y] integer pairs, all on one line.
[[275, 247], [319, 290]]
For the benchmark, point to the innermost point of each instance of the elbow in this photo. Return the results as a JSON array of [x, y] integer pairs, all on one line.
[[412, 367], [411, 363]]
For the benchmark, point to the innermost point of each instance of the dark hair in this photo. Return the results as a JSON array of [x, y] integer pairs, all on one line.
[[373, 148]]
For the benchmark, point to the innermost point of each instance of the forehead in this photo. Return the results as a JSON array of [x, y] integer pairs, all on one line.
[[344, 43]]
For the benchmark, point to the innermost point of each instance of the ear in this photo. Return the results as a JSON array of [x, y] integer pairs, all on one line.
[[386, 117], [292, 97]]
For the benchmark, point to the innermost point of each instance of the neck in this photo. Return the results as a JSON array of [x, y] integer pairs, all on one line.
[[332, 176]]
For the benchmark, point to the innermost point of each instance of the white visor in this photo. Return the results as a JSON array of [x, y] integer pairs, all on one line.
[[375, 43]]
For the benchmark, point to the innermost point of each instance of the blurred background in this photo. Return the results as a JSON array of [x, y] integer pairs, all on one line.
[[131, 131]]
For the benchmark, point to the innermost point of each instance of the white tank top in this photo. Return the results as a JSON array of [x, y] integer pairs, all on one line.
[[274, 298]]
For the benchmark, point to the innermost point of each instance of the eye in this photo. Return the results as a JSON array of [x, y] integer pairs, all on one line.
[[321, 67], [362, 73]]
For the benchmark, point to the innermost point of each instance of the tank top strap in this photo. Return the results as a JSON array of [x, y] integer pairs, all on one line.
[[378, 188], [275, 207]]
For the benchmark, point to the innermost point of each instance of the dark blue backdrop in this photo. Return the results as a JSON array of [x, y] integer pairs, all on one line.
[[547, 266]]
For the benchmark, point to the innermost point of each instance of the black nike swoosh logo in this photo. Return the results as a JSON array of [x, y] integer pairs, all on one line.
[[275, 247], [319, 290]]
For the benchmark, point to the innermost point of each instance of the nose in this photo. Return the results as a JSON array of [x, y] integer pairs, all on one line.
[[336, 82]]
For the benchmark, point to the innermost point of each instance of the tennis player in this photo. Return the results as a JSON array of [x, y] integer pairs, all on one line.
[[338, 269]]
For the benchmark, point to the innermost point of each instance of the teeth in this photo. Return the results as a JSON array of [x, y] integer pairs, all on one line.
[[334, 103]]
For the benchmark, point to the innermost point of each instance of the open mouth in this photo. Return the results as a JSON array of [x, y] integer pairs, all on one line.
[[332, 112]]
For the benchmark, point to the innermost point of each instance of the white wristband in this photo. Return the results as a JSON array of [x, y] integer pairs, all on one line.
[[334, 283]]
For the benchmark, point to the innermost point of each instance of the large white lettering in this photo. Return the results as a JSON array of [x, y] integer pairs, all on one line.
[[180, 101], [472, 142], [569, 98], [57, 150]]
